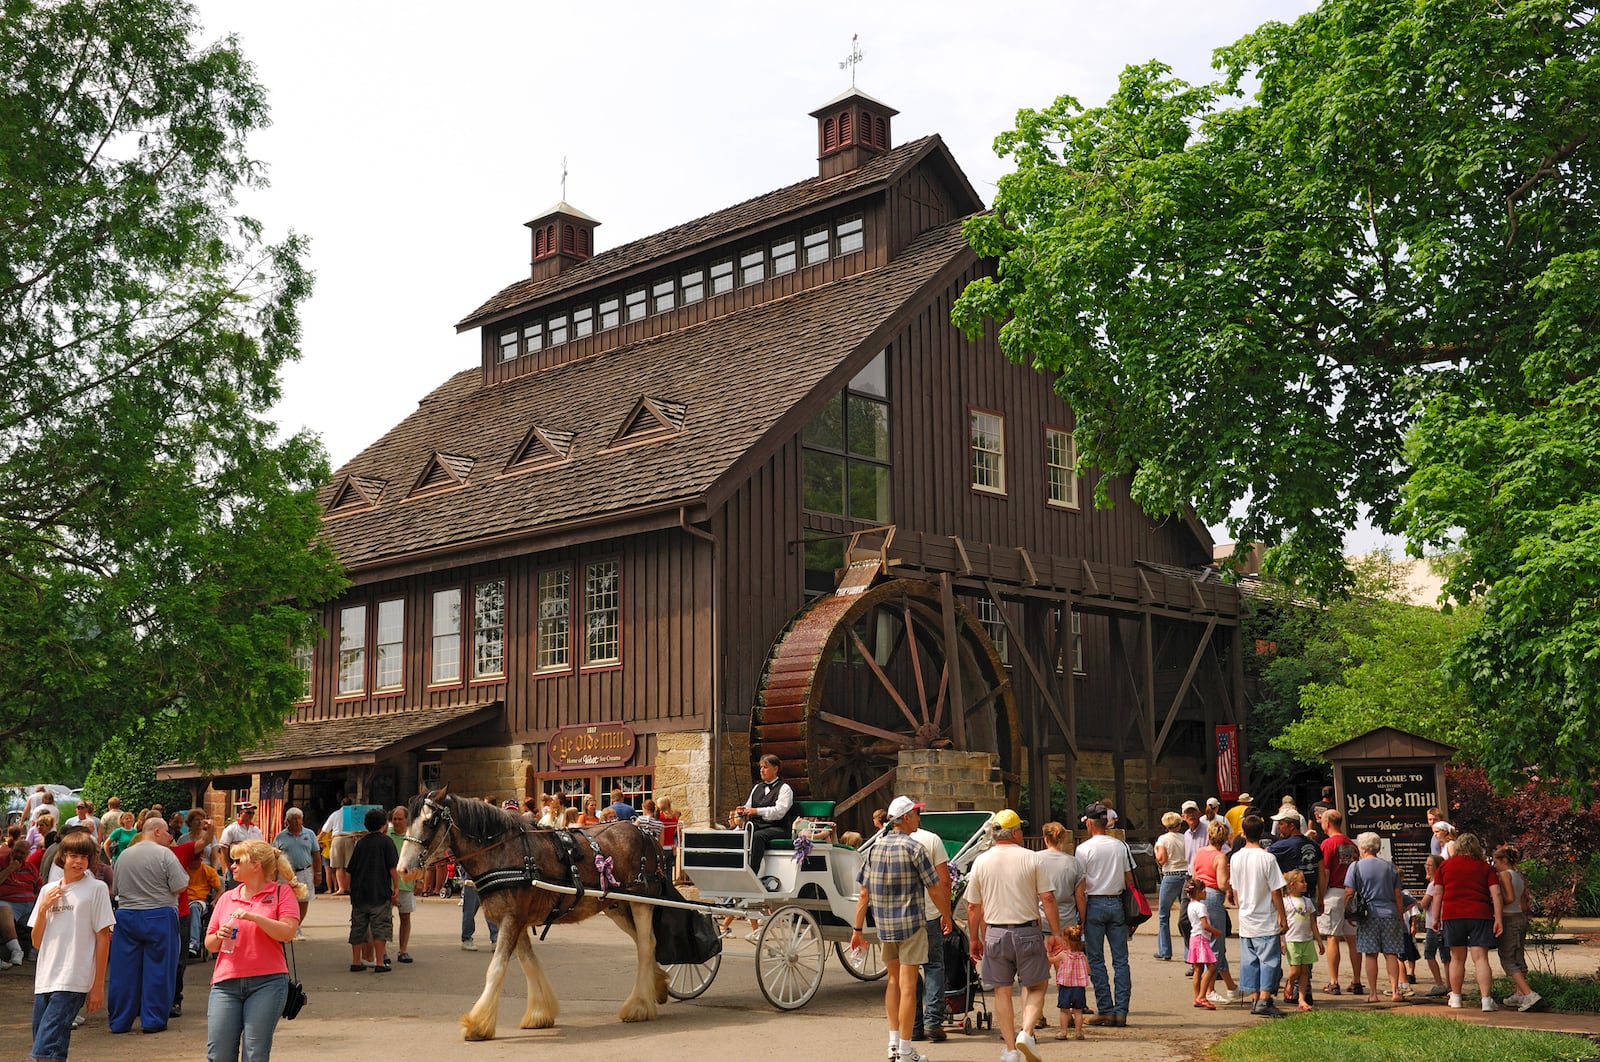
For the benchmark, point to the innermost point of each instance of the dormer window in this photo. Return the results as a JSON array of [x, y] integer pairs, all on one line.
[[356, 493], [540, 448], [663, 295], [442, 472], [650, 419], [752, 267], [556, 330], [721, 276]]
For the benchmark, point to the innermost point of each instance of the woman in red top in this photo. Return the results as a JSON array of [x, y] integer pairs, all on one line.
[[1470, 903], [251, 981]]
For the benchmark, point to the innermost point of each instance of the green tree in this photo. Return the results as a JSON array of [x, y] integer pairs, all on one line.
[[158, 544], [125, 767], [1250, 302]]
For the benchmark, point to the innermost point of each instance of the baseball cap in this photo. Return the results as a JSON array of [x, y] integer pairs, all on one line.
[[901, 806], [1288, 813], [244, 806], [510, 805], [1213, 802], [1189, 805], [1005, 819], [1246, 798], [1096, 810]]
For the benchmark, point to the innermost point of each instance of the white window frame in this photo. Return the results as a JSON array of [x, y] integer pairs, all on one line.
[[552, 651], [445, 646], [988, 614], [353, 650], [986, 464], [1060, 468], [488, 639], [602, 603], [390, 659]]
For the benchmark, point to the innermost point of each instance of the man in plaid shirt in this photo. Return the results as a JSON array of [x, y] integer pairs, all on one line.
[[893, 877]]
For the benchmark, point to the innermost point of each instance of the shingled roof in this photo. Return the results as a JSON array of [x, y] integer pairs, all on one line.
[[730, 379], [762, 209]]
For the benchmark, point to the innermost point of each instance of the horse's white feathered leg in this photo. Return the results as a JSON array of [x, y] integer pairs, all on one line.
[[649, 982], [479, 1022], [543, 1007]]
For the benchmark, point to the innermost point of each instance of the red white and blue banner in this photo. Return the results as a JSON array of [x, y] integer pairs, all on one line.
[[1228, 761]]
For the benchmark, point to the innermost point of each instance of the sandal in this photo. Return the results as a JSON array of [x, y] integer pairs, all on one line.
[[1062, 1036], [1357, 988], [1331, 989], [1205, 1004]]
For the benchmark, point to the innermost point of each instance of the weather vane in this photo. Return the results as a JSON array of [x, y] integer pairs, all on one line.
[[563, 178], [854, 58]]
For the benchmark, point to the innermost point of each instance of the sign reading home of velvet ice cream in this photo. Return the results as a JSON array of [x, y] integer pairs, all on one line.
[[1384, 782], [582, 748]]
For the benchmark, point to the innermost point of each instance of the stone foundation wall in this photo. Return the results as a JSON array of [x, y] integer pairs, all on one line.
[[501, 772], [947, 780]]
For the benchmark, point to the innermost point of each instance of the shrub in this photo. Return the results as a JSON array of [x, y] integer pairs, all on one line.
[[125, 767]]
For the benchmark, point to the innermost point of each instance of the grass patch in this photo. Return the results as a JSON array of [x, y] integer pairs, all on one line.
[[1580, 995], [1378, 1036]]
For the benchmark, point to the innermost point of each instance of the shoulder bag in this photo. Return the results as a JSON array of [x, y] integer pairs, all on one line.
[[295, 1000], [1135, 908], [1356, 910]]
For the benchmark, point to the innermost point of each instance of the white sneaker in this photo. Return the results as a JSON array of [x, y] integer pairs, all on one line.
[[1405, 990], [1490, 1004], [467, 945], [909, 1054], [1235, 995], [1529, 1001], [1028, 1046], [1514, 999], [1455, 1000], [1439, 990], [1010, 1056], [1220, 998]]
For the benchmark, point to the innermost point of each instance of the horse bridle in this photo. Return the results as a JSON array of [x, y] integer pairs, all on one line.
[[432, 851]]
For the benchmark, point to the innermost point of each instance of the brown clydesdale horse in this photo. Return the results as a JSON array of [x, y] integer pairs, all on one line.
[[496, 847]]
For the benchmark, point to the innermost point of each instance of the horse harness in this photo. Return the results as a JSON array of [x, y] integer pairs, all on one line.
[[528, 875]]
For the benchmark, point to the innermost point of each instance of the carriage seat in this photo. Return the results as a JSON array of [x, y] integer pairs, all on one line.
[[804, 809]]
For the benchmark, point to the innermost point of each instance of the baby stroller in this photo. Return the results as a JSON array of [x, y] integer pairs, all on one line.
[[963, 988], [455, 879]]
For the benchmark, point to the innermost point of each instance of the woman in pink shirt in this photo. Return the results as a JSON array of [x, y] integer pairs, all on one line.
[[247, 931]]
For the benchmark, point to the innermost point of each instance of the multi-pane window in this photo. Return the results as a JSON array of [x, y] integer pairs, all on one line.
[[995, 627], [352, 650], [845, 461], [663, 295], [532, 337], [389, 672], [783, 257], [553, 623], [752, 267], [557, 330], [489, 629], [445, 638], [693, 286], [1077, 642], [988, 452], [305, 660], [602, 612], [508, 345], [816, 246], [610, 313], [848, 234], [1070, 653], [1060, 460], [634, 303], [721, 276], [582, 321]]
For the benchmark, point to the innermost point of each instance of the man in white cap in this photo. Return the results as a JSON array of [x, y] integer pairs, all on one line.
[[930, 1017], [895, 875], [238, 831], [1005, 890], [1107, 874]]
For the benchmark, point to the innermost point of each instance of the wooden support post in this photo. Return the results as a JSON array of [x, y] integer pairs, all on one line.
[[952, 664], [1127, 695], [1147, 717], [1069, 684], [1183, 690]]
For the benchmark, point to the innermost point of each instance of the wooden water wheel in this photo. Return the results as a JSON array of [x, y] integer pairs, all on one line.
[[859, 676]]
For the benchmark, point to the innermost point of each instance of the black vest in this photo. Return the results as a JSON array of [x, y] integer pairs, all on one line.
[[765, 795]]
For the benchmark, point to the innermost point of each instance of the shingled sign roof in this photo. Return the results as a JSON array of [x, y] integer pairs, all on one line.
[[761, 210], [732, 378]]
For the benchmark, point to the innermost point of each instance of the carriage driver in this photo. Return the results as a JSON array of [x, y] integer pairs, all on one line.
[[768, 812]]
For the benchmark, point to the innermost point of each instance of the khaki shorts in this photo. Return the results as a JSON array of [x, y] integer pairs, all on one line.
[[912, 951], [407, 904], [343, 845], [304, 877], [1331, 921]]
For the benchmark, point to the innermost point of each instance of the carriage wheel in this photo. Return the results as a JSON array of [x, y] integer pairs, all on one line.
[[790, 955], [689, 979], [867, 965], [856, 679]]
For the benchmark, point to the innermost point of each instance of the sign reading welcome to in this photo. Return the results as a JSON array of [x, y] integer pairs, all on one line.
[[1393, 800], [582, 748]]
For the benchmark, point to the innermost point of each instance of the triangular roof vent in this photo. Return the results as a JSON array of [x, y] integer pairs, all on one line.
[[540, 448], [356, 493], [442, 472], [651, 418]]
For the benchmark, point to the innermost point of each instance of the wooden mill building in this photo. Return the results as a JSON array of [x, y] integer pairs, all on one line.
[[583, 562]]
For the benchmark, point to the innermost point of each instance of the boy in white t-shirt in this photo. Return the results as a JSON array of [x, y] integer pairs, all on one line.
[[1302, 941], [74, 942]]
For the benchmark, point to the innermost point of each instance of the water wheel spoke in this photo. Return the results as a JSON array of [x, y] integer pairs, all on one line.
[[865, 791], [988, 698], [863, 728], [894, 694], [938, 701], [916, 667]]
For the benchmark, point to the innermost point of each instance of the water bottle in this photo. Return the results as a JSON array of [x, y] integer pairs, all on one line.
[[230, 938]]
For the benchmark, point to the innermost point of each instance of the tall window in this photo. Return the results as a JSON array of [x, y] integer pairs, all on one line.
[[582, 321], [489, 629], [993, 625], [602, 612], [663, 295], [352, 650], [390, 671], [845, 460], [988, 452], [1060, 459], [557, 330], [446, 636], [1077, 642], [305, 657], [532, 337], [508, 345], [553, 625]]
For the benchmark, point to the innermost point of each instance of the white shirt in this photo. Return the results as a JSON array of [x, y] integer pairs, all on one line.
[[1255, 876], [1105, 859], [66, 955], [335, 824], [235, 833], [933, 844]]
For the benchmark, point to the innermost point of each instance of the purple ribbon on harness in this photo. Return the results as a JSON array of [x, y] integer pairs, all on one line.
[[802, 848], [602, 866]]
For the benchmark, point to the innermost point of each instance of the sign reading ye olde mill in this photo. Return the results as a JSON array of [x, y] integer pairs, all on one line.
[[1385, 781], [581, 748]]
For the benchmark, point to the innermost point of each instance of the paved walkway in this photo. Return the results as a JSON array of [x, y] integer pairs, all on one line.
[[369, 1017]]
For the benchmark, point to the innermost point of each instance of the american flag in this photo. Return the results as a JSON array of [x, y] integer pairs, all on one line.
[[1228, 761]]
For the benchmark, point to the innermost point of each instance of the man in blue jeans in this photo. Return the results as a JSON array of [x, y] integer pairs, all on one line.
[[469, 920], [1107, 873]]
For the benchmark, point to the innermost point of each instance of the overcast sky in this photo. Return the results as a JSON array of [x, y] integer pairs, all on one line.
[[411, 141]]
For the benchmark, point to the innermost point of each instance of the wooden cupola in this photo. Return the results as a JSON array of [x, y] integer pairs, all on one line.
[[851, 128], [562, 236]]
